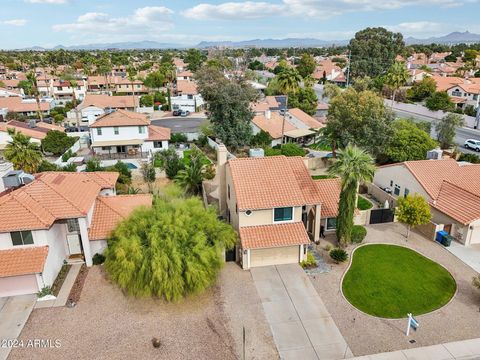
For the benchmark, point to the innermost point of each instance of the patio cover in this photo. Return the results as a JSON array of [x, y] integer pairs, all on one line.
[[117, 142], [298, 133]]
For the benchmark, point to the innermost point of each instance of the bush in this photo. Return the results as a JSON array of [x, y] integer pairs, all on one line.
[[272, 152], [47, 166], [309, 262], [363, 204], [178, 138], [46, 290], [210, 172], [98, 259], [439, 100], [58, 118], [125, 174], [70, 168], [338, 255], [57, 142], [68, 154], [472, 158], [358, 233], [292, 149]]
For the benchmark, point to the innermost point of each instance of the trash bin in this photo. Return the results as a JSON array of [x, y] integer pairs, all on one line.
[[447, 240], [440, 235]]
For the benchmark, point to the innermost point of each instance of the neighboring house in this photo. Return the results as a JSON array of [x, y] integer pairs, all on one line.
[[125, 86], [302, 120], [49, 221], [95, 105], [127, 133], [4, 92], [27, 107], [451, 188], [185, 75], [179, 64], [187, 96], [63, 91], [272, 103], [35, 130], [467, 94]]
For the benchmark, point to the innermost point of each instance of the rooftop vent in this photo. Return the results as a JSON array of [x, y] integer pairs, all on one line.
[[16, 178]]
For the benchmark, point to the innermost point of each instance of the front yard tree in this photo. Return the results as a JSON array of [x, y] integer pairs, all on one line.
[[413, 210], [148, 174], [306, 65], [22, 153], [194, 59], [171, 250], [422, 89], [57, 142], [439, 100], [446, 128], [360, 118], [354, 166], [305, 99]]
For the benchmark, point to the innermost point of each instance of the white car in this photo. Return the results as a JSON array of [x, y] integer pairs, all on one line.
[[472, 144]]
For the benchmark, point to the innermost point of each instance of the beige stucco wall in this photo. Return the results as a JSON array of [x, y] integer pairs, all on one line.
[[401, 176], [459, 231], [265, 217]]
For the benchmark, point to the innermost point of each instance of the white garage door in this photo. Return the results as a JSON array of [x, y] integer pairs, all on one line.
[[18, 285], [475, 238], [274, 256]]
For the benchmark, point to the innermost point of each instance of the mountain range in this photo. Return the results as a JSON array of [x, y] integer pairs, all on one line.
[[450, 39]]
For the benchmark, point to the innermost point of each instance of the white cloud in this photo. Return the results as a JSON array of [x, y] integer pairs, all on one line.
[[418, 27], [144, 21], [14, 22], [55, 2], [309, 8]]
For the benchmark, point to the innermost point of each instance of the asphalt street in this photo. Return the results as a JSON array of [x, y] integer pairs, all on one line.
[[181, 124]]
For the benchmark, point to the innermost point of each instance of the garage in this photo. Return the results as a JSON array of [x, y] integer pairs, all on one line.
[[274, 256], [18, 285], [474, 235]]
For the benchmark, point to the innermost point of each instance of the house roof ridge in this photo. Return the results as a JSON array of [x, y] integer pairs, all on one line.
[[63, 196], [25, 206]]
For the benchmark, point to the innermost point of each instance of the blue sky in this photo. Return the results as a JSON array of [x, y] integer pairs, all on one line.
[[71, 22]]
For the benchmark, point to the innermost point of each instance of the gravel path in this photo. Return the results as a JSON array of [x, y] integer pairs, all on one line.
[[105, 324], [244, 308], [459, 320]]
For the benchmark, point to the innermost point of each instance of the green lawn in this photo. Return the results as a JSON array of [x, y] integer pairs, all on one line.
[[391, 281], [186, 158], [363, 204]]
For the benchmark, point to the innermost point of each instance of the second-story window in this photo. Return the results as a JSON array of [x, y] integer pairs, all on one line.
[[115, 130], [141, 129], [283, 214], [99, 131], [21, 238]]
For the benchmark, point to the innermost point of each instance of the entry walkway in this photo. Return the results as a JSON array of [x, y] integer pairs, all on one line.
[[14, 313], [458, 350], [301, 325]]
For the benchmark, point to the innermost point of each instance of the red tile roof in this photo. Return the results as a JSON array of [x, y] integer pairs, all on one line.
[[306, 119], [22, 261], [273, 125], [187, 87], [121, 118], [105, 101], [278, 235], [158, 133], [110, 210], [275, 181], [330, 194]]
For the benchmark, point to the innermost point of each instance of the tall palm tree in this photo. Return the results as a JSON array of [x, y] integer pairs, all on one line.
[[23, 154], [354, 166], [397, 77], [32, 79], [132, 73]]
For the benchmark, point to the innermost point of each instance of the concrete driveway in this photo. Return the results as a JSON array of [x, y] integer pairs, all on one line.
[[14, 313], [301, 325]]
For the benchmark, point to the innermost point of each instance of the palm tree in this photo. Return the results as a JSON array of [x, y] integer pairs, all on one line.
[[23, 154], [192, 176], [132, 78], [354, 166], [396, 77], [288, 81], [32, 79]]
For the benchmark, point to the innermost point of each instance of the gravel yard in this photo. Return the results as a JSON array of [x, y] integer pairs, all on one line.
[[458, 320], [105, 324]]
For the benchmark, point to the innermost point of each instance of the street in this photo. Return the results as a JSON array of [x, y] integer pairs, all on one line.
[[181, 124]]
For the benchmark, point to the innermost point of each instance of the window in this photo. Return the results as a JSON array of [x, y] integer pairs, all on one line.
[[475, 97], [331, 223], [456, 93], [397, 190], [106, 148], [21, 238], [283, 214], [406, 192], [228, 192], [248, 212], [391, 182], [99, 131], [115, 130], [190, 97], [72, 225], [157, 144], [141, 129]]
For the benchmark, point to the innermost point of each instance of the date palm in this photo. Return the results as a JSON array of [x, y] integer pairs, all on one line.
[[288, 81], [353, 166], [397, 77], [23, 154]]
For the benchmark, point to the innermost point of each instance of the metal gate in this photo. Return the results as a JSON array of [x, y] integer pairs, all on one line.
[[379, 216]]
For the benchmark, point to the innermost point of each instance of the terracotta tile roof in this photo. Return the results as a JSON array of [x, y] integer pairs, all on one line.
[[444, 83], [17, 104], [105, 101], [278, 235], [187, 87], [158, 133], [268, 103], [457, 203], [330, 194], [273, 125], [186, 73], [22, 261], [305, 118], [42, 124], [274, 181], [179, 63], [469, 88], [121, 118], [39, 132], [52, 196], [110, 210]]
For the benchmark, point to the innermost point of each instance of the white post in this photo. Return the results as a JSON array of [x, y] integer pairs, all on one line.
[[408, 324]]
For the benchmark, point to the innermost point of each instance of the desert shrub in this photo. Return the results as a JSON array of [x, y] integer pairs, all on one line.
[[309, 262], [98, 259], [358, 233], [338, 255], [46, 290]]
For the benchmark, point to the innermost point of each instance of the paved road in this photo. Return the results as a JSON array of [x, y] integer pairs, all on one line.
[[181, 124], [302, 327], [462, 134]]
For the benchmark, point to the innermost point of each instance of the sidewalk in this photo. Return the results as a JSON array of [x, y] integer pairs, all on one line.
[[458, 350]]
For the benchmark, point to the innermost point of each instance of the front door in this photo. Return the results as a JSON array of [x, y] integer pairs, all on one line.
[[74, 245]]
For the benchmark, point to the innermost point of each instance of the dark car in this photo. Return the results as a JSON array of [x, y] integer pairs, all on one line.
[[176, 112]]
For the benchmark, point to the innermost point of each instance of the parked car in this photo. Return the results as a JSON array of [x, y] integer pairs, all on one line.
[[176, 112], [472, 144], [185, 113]]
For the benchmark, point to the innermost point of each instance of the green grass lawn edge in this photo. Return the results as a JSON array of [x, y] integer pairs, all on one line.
[[389, 281]]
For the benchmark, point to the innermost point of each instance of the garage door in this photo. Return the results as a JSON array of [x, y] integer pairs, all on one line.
[[274, 256], [18, 285], [475, 239]]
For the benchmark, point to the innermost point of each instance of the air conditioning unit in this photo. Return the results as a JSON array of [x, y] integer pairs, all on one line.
[[435, 154]]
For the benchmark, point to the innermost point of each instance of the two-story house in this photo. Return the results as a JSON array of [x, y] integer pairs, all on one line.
[[63, 91], [187, 96], [466, 94], [95, 105], [127, 133], [52, 218], [452, 189]]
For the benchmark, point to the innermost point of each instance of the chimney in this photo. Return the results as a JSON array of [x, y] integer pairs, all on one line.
[[268, 114], [222, 177]]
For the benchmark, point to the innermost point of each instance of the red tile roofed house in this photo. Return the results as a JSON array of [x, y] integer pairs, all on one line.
[[124, 86], [451, 188], [273, 203], [185, 75], [187, 96], [49, 220], [36, 133], [468, 93], [27, 107], [95, 105], [126, 133]]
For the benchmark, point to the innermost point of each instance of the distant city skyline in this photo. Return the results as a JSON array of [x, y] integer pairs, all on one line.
[[47, 23]]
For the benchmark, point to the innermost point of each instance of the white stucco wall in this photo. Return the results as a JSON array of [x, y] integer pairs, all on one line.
[[98, 246], [401, 176]]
